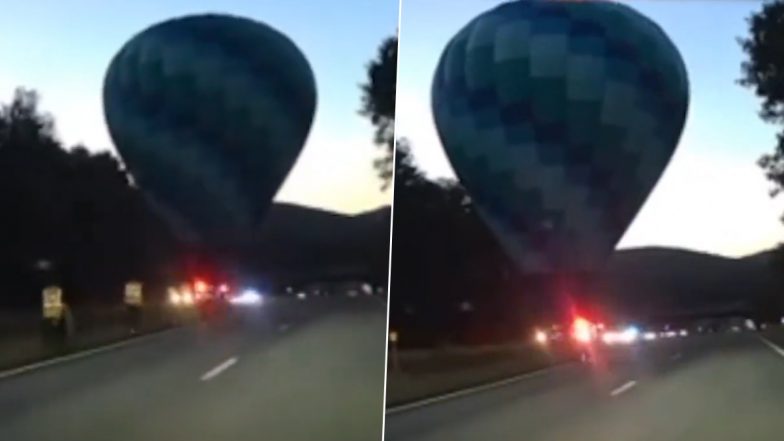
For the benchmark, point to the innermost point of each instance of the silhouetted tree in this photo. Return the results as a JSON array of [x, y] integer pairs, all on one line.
[[73, 208], [378, 103], [444, 256], [763, 72]]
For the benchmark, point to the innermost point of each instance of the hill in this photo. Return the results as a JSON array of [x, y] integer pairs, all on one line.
[[677, 281], [295, 238]]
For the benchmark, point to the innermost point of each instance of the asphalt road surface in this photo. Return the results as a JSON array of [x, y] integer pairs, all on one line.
[[718, 387], [288, 370]]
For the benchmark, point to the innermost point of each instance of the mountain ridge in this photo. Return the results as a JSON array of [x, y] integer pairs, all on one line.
[[660, 279]]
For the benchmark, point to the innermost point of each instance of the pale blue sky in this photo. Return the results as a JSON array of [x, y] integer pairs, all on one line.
[[712, 197], [62, 48]]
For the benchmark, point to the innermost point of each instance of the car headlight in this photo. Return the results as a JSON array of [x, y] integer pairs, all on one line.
[[187, 298], [248, 297], [174, 298]]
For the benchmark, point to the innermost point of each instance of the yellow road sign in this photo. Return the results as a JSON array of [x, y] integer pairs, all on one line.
[[52, 302], [133, 293]]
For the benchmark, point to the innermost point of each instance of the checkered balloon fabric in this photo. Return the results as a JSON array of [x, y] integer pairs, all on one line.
[[559, 118], [210, 112]]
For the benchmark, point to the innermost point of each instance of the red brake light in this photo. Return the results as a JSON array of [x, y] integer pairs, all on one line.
[[582, 330], [200, 286]]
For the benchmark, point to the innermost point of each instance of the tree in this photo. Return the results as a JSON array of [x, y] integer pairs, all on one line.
[[72, 207], [407, 174], [763, 72], [443, 255], [378, 104]]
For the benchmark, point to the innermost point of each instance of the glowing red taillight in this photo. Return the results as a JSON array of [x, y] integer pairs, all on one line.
[[582, 330], [200, 286]]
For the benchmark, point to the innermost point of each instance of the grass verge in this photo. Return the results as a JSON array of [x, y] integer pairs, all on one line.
[[22, 341], [422, 374]]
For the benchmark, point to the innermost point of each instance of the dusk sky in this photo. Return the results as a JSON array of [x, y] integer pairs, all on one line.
[[712, 197], [62, 49]]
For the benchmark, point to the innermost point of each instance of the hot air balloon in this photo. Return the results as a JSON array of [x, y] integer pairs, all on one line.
[[559, 118], [209, 113]]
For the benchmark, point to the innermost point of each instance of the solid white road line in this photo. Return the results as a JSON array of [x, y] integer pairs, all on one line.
[[82, 354], [628, 385], [212, 373], [468, 391], [773, 346]]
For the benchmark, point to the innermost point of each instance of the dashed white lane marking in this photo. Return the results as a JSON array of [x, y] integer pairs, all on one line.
[[212, 373], [773, 346], [628, 385]]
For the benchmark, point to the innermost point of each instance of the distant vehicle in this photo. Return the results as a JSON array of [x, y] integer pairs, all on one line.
[[199, 292], [248, 296], [541, 337], [205, 291], [580, 331], [621, 336], [181, 296]]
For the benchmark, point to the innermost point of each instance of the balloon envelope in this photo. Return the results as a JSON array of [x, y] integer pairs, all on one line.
[[559, 118], [209, 113]]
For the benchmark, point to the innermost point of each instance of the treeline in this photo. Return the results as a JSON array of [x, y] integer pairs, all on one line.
[[69, 216], [451, 282]]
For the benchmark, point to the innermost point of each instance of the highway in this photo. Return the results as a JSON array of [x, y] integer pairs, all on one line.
[[288, 370], [717, 387]]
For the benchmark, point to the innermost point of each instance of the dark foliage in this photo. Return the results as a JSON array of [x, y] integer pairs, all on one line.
[[378, 103], [72, 208], [763, 72], [450, 280]]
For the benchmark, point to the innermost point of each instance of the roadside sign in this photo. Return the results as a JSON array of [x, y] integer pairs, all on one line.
[[133, 293], [52, 302]]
